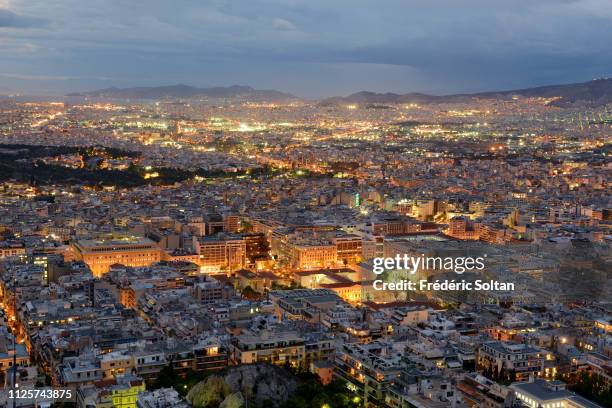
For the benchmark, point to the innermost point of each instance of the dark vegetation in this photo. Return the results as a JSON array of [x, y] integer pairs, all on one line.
[[591, 386], [310, 393], [22, 163]]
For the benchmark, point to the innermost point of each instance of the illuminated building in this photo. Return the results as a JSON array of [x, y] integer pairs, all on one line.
[[463, 228], [221, 252], [116, 362], [548, 394], [605, 326], [345, 282], [127, 297], [323, 369], [494, 234], [367, 370], [257, 248], [119, 392], [424, 209], [216, 223], [304, 250], [7, 352], [250, 279], [516, 360], [352, 292], [11, 248], [274, 348], [285, 347], [395, 225], [348, 247], [231, 223], [99, 255], [42, 259], [125, 393], [307, 256]]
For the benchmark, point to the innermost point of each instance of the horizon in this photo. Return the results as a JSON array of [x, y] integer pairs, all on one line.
[[83, 91]]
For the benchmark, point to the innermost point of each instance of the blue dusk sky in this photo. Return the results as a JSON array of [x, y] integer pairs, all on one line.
[[311, 48]]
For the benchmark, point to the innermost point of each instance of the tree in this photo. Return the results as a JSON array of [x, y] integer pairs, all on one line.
[[250, 294], [488, 372], [593, 386], [312, 394], [246, 226], [166, 378]]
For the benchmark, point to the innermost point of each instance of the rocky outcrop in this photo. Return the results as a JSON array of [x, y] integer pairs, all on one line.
[[209, 393], [235, 400], [263, 385]]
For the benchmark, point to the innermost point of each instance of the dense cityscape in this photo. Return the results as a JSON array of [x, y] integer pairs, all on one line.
[[206, 252]]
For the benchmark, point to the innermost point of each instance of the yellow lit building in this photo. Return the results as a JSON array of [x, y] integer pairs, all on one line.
[[119, 392], [309, 256], [303, 250], [221, 252], [99, 255], [125, 394], [345, 282], [604, 326]]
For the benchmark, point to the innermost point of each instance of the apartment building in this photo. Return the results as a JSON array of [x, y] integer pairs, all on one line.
[[517, 361]]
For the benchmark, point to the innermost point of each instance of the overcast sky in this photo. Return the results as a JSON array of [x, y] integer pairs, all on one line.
[[312, 48]]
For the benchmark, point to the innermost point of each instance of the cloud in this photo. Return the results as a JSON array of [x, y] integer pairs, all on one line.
[[282, 24], [25, 77], [334, 46], [10, 19]]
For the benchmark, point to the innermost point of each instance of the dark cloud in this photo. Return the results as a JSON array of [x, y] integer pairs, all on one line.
[[305, 47]]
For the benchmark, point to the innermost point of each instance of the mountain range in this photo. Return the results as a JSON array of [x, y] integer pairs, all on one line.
[[596, 92], [186, 91]]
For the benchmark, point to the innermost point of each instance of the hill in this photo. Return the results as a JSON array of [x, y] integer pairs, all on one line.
[[594, 93], [186, 91]]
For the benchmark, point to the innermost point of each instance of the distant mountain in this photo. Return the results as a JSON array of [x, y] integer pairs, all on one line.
[[596, 92], [186, 91]]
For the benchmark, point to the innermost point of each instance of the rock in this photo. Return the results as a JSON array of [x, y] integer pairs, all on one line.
[[260, 383], [209, 393], [234, 400]]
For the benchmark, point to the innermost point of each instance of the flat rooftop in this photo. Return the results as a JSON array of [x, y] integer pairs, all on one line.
[[115, 243]]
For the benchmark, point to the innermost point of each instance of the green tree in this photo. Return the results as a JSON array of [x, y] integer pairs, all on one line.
[[167, 377]]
